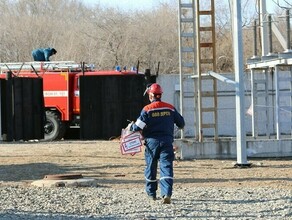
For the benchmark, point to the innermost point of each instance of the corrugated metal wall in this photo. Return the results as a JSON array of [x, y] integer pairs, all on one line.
[[226, 104], [22, 109], [107, 102]]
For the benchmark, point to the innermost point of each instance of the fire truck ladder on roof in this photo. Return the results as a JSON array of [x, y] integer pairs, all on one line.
[[41, 66], [200, 48]]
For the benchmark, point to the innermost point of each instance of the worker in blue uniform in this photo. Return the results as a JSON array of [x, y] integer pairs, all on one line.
[[157, 121], [43, 54]]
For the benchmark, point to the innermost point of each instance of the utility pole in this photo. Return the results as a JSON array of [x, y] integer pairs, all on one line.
[[239, 85]]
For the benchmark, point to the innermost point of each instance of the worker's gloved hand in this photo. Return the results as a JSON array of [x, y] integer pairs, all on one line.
[[129, 125]]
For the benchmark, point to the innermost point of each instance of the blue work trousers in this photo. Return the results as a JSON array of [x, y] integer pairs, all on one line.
[[162, 152]]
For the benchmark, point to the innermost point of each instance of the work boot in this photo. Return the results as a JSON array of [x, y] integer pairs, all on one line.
[[166, 200]]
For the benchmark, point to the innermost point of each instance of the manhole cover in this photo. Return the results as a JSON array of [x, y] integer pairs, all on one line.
[[63, 177]]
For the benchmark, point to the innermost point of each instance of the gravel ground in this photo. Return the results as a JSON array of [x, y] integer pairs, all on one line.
[[203, 189], [105, 203]]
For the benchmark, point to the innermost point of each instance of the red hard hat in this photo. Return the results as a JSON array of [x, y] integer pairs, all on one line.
[[155, 89]]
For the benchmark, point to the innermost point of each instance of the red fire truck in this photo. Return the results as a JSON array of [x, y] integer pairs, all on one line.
[[60, 90]]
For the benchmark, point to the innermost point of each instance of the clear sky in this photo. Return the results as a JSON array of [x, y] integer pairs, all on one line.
[[148, 4]]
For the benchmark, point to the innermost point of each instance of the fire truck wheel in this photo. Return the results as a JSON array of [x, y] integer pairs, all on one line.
[[54, 128]]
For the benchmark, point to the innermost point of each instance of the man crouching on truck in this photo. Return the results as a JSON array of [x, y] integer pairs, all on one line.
[[43, 54], [157, 121]]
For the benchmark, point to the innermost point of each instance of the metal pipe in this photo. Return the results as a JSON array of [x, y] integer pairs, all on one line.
[[255, 39], [221, 78], [8, 75], [288, 30], [181, 99], [264, 27], [239, 85], [270, 34]]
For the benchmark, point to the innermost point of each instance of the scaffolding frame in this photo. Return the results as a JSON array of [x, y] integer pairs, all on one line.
[[280, 105]]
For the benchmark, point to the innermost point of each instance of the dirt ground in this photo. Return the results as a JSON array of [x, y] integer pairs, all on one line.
[[22, 163]]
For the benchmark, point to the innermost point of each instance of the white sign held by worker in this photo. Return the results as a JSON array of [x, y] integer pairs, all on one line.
[[130, 142]]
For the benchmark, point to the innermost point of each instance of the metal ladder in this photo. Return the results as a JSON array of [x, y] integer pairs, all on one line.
[[198, 56], [187, 57], [206, 61]]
